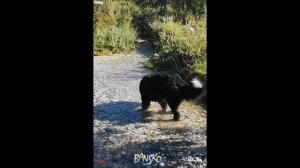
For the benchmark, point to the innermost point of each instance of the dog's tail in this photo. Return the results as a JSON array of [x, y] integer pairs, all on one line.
[[196, 83]]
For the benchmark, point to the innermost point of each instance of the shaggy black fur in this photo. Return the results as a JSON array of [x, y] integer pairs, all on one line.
[[167, 89]]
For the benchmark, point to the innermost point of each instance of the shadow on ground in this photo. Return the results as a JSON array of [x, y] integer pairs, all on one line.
[[119, 113], [124, 113]]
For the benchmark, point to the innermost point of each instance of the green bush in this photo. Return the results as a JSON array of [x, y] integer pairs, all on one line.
[[114, 40], [182, 46], [175, 29], [158, 61], [113, 31]]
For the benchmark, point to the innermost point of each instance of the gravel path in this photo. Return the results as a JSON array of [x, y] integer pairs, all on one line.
[[123, 133]]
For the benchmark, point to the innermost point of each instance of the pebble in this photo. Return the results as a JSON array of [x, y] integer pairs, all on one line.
[[116, 157]]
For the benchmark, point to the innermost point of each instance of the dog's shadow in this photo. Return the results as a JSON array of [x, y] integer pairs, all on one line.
[[123, 113]]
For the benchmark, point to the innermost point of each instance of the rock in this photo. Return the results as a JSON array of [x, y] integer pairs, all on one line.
[[162, 148], [204, 163], [116, 157], [181, 161], [180, 154], [200, 155], [161, 164], [198, 160], [137, 126], [123, 153]]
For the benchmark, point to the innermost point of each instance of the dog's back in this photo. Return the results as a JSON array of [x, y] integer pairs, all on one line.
[[154, 86]]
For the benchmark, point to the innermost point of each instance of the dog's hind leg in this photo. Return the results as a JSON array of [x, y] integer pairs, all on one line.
[[163, 104], [174, 104]]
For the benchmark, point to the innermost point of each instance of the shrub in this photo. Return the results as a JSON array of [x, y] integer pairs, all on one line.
[[114, 40], [181, 46], [113, 32]]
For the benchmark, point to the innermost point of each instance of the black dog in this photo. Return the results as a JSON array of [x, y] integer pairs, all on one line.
[[168, 89]]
